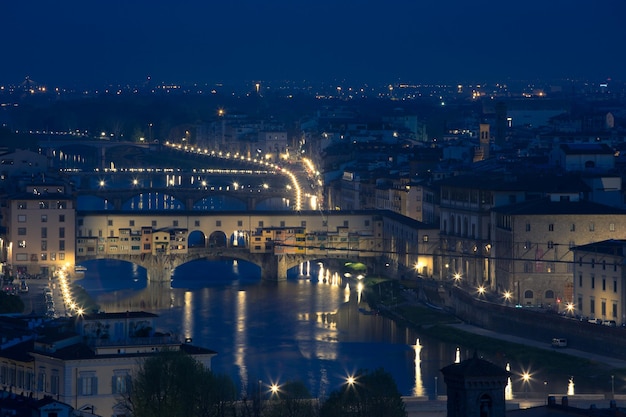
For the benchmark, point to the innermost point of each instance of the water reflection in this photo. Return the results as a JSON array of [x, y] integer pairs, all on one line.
[[312, 328], [418, 390], [508, 390], [570, 386]]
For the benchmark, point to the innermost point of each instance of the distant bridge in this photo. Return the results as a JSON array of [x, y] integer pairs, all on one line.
[[274, 267], [188, 197]]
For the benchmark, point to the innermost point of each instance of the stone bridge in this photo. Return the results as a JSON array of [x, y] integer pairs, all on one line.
[[274, 267], [188, 197]]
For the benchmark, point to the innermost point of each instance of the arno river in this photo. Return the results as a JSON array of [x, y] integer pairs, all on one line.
[[314, 327]]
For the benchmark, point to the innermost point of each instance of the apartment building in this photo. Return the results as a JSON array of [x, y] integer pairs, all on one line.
[[600, 280], [533, 246], [40, 224], [87, 363]]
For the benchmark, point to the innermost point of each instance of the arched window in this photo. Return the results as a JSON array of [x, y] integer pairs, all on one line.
[[528, 294], [549, 294]]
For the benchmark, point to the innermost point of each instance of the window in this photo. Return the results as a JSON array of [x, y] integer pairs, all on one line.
[[303, 223], [572, 228], [175, 223], [528, 227], [44, 218], [131, 223], [44, 205], [614, 285], [121, 382], [611, 227], [282, 223], [550, 244], [41, 380], [21, 218], [61, 245], [260, 223], [592, 306], [154, 223], [580, 304], [592, 227], [551, 227], [54, 383], [21, 256], [614, 310], [44, 232], [196, 223], [603, 308], [61, 256], [239, 223], [61, 218], [580, 280], [346, 223], [603, 264], [425, 238], [44, 245], [62, 232], [218, 223], [109, 222], [528, 294], [603, 284], [21, 243], [87, 384], [593, 282], [21, 231], [22, 205]]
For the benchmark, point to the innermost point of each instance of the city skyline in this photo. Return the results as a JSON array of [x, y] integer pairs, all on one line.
[[86, 44]]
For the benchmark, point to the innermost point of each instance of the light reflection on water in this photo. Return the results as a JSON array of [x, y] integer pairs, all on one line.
[[312, 328]]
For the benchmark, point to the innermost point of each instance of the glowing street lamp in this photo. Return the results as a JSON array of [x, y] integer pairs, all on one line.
[[481, 290], [569, 307], [507, 296]]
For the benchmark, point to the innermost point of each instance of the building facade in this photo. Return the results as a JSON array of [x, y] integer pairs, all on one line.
[[40, 230]]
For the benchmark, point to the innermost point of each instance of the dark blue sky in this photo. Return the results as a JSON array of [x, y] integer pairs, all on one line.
[[94, 42]]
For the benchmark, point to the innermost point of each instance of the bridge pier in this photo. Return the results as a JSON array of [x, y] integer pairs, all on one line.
[[274, 268], [158, 268]]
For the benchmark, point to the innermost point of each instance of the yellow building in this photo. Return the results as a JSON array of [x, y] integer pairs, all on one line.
[[600, 281], [40, 230]]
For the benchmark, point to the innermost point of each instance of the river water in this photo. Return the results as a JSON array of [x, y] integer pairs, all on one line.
[[314, 327]]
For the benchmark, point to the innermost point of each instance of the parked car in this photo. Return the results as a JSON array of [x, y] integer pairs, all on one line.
[[609, 323]]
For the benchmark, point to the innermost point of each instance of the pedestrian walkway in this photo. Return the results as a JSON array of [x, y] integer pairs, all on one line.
[[612, 362]]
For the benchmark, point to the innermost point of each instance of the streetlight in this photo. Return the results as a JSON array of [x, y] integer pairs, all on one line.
[[457, 278], [569, 307], [525, 382], [507, 296]]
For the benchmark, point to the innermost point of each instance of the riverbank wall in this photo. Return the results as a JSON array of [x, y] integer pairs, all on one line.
[[532, 323]]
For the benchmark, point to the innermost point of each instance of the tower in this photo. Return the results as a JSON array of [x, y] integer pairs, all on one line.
[[475, 388]]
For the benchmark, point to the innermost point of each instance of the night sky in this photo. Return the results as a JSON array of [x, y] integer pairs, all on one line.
[[98, 42]]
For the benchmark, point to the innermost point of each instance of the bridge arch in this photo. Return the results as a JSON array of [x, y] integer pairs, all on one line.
[[153, 201], [273, 203], [93, 202], [221, 202]]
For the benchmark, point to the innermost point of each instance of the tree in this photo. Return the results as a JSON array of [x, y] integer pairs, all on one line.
[[367, 394], [291, 399], [174, 384]]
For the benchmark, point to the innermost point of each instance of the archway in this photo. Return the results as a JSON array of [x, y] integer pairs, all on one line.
[[196, 239], [153, 201], [217, 240]]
